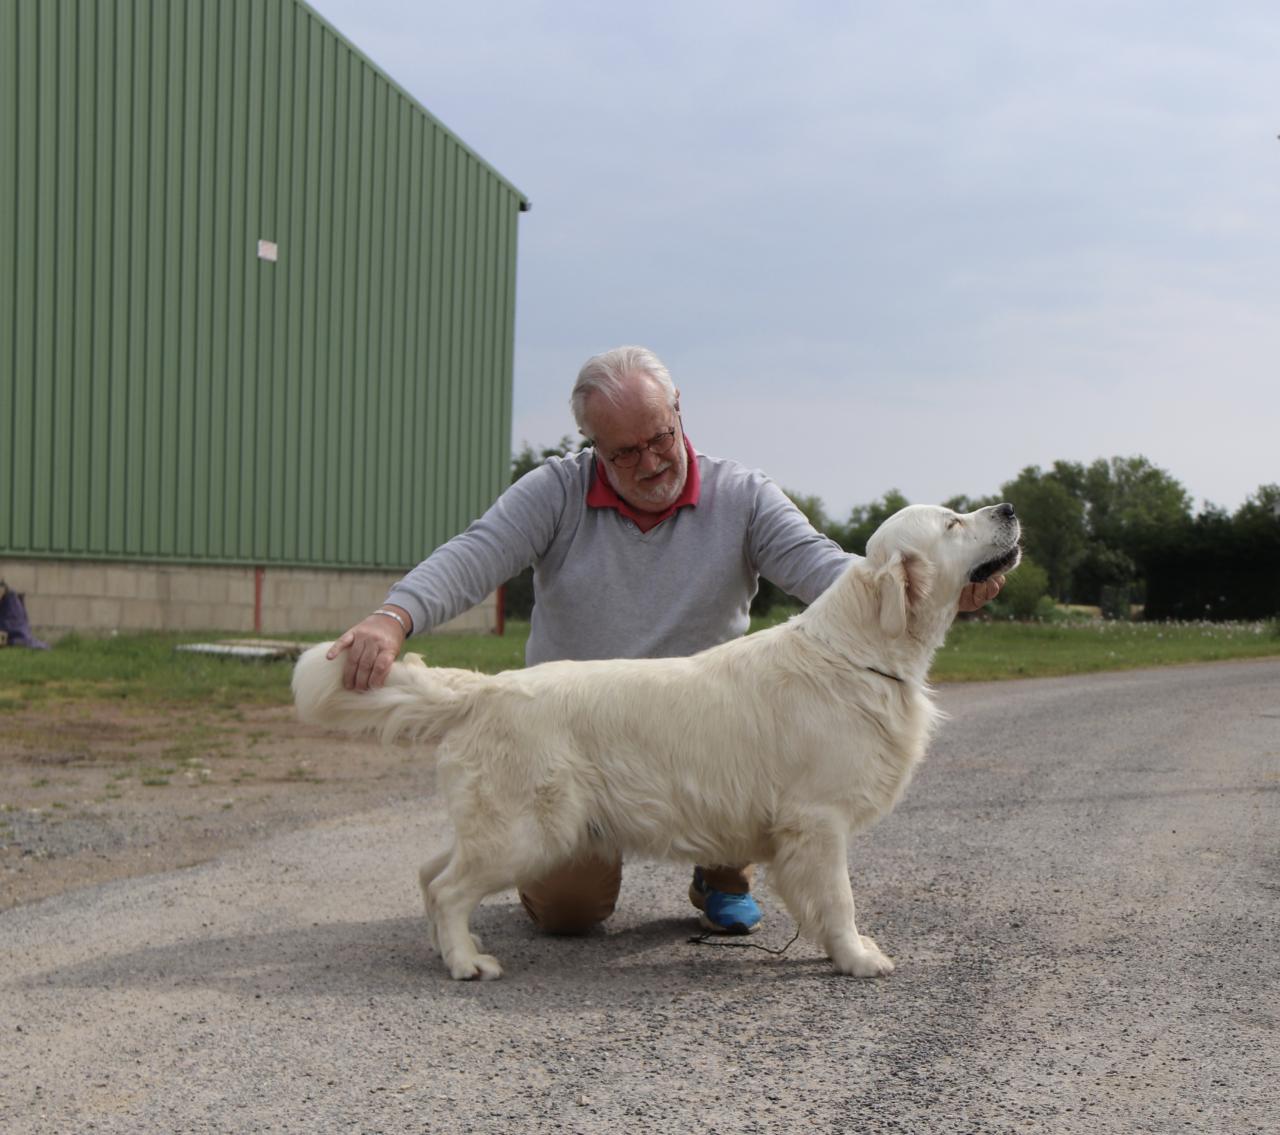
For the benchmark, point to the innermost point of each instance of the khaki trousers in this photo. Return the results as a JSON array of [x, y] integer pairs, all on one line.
[[584, 892]]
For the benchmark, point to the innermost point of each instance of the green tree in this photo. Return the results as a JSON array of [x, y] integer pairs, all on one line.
[[1218, 566], [1024, 593], [1107, 577], [1128, 498], [1053, 523], [1129, 502], [1262, 507], [527, 458]]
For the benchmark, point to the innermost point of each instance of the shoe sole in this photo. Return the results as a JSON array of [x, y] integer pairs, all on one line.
[[716, 928]]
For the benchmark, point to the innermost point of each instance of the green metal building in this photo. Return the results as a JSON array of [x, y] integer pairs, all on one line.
[[256, 303]]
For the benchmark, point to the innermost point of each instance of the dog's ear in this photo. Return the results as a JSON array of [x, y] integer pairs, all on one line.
[[903, 583], [414, 660], [891, 583]]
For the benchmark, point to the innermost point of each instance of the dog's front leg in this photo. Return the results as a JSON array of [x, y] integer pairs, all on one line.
[[811, 874]]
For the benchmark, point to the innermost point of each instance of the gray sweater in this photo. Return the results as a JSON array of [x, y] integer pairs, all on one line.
[[603, 588]]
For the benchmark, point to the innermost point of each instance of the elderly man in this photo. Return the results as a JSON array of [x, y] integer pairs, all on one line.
[[642, 548]]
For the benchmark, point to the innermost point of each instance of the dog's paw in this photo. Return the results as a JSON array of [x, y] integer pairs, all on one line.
[[866, 960], [488, 967], [482, 967], [865, 965]]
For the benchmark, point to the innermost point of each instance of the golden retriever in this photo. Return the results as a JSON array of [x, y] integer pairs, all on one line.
[[769, 749]]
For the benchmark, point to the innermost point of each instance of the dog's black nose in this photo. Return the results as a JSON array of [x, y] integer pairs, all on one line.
[[1005, 510]]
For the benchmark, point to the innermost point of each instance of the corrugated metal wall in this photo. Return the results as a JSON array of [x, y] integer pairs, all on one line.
[[165, 393]]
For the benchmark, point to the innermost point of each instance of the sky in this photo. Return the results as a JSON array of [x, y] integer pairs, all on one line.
[[912, 246]]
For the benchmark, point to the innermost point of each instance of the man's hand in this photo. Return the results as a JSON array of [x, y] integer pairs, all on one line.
[[978, 595], [371, 645]]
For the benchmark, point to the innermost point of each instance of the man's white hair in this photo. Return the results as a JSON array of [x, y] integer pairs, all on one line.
[[607, 374]]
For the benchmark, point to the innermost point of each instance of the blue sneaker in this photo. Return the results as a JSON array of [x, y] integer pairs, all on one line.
[[721, 912]]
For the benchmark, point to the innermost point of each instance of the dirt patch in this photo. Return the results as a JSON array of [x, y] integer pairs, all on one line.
[[91, 792]]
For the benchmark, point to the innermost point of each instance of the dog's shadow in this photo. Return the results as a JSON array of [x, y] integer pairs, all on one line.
[[393, 957]]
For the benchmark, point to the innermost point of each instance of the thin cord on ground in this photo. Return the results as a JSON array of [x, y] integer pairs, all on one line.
[[709, 939]]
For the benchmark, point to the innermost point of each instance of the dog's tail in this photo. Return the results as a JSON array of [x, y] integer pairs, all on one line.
[[416, 701]]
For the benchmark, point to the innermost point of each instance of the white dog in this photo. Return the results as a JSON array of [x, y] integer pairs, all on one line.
[[771, 748]]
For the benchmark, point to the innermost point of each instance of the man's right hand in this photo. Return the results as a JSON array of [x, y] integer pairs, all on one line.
[[371, 645]]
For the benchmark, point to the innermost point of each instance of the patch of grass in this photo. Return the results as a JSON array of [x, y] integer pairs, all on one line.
[[1075, 641], [979, 651], [484, 652], [779, 613], [197, 746], [141, 667], [145, 669]]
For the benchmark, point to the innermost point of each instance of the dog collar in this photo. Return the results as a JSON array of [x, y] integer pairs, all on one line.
[[891, 677], [841, 654]]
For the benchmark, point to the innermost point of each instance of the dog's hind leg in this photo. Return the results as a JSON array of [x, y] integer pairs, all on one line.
[[426, 875], [811, 875], [450, 897]]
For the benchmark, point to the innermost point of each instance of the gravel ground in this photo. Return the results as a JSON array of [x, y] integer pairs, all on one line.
[[91, 792], [1081, 893]]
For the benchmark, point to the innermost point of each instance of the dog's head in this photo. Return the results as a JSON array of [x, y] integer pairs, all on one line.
[[923, 556]]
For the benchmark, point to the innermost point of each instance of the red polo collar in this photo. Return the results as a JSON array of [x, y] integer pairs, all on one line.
[[601, 494]]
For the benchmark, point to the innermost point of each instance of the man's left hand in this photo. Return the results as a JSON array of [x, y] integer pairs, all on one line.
[[978, 595]]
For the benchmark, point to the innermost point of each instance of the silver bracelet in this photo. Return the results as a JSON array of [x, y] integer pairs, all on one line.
[[392, 615]]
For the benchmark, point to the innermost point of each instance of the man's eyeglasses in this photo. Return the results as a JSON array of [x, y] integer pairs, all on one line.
[[629, 457]]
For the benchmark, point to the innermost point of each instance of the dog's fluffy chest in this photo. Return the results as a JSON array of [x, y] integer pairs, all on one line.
[[877, 764]]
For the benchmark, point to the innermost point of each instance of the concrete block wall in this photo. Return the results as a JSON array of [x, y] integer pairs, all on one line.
[[99, 597]]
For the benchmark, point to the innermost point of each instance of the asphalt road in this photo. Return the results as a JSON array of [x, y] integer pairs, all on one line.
[[1080, 891]]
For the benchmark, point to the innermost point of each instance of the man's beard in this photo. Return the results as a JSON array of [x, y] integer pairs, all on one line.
[[654, 499]]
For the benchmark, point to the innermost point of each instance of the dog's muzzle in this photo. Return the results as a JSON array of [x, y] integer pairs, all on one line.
[[1007, 560]]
